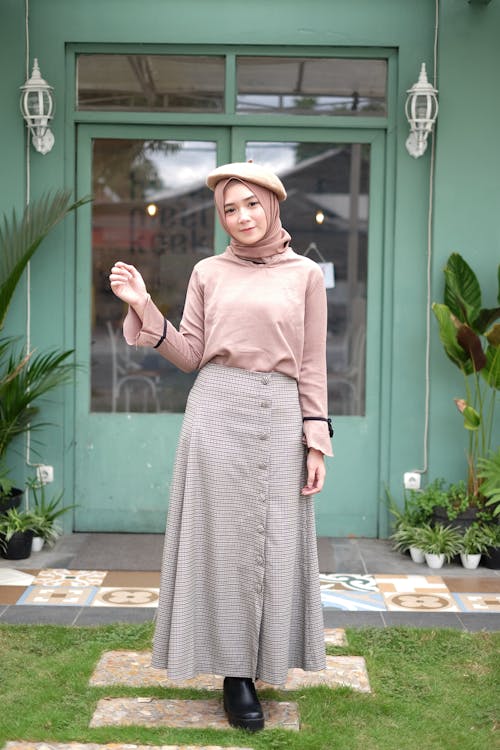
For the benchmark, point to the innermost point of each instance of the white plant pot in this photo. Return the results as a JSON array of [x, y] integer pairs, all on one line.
[[470, 561], [417, 555], [37, 544], [434, 561]]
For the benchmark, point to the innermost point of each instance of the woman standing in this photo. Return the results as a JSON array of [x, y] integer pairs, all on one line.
[[239, 590]]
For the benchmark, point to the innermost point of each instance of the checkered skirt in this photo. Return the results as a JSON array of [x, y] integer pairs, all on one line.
[[239, 590]]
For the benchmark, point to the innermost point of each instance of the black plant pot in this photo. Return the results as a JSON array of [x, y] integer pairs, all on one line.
[[18, 547], [492, 559], [461, 522], [11, 500]]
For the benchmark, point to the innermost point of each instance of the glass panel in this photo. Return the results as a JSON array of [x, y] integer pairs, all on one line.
[[151, 208], [311, 86], [165, 83], [326, 213]]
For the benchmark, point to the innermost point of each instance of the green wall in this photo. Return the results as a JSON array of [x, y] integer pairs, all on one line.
[[467, 192], [466, 185]]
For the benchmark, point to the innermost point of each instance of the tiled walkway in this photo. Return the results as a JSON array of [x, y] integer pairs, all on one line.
[[61, 587], [55, 587]]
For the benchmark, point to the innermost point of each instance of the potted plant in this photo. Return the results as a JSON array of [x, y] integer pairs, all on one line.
[[16, 534], [457, 507], [408, 538], [45, 513], [475, 542], [25, 377], [439, 543], [471, 340], [10, 496], [492, 557]]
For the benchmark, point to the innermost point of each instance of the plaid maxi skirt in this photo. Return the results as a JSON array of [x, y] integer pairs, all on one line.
[[239, 592]]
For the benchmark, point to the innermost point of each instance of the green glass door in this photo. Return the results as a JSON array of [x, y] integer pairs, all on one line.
[[334, 213], [151, 208]]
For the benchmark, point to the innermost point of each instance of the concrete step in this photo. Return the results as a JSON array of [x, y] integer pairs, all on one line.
[[133, 669], [113, 746], [185, 714]]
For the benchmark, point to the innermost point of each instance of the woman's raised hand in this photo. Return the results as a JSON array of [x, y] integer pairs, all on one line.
[[127, 283]]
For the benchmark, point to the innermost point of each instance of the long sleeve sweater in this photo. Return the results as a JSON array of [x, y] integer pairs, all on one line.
[[264, 317]]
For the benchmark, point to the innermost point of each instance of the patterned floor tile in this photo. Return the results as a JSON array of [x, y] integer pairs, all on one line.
[[413, 593], [473, 583], [12, 577], [63, 577], [133, 669], [349, 582], [193, 714], [126, 597], [335, 636], [414, 584], [68, 596], [149, 579], [478, 602], [426, 602], [113, 746], [352, 601], [11, 594]]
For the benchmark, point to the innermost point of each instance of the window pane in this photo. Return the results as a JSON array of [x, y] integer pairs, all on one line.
[[164, 83], [326, 213], [311, 86], [151, 209]]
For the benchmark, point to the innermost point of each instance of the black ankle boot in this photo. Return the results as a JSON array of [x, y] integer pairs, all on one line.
[[241, 704]]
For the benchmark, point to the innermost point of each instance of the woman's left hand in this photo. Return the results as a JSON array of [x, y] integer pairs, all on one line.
[[315, 472]]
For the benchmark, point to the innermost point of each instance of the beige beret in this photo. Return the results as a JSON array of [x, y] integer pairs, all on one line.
[[250, 172]]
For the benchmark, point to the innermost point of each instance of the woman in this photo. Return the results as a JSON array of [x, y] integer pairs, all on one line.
[[240, 593]]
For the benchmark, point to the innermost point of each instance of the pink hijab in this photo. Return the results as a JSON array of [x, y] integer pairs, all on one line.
[[275, 240]]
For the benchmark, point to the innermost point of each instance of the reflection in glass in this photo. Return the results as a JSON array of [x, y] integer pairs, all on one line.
[[151, 209], [166, 83], [326, 213], [311, 86]]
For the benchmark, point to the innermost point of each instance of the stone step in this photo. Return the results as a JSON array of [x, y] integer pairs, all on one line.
[[185, 714], [133, 669], [113, 746]]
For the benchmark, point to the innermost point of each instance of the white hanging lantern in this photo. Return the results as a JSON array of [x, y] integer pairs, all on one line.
[[421, 112], [37, 106]]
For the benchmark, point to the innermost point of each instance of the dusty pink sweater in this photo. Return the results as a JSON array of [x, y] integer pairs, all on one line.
[[262, 317]]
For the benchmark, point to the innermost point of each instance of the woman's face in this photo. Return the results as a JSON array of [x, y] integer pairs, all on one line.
[[245, 217]]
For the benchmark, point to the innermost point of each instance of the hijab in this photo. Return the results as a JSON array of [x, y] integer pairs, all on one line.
[[276, 239]]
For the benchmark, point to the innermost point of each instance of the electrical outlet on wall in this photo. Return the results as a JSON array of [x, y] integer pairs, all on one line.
[[411, 480], [45, 474]]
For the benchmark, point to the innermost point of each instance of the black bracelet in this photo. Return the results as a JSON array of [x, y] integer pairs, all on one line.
[[163, 335], [321, 419]]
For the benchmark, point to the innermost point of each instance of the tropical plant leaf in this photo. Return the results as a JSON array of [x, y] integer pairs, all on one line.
[[27, 379], [472, 419], [448, 334], [471, 343], [493, 335], [489, 472], [19, 238], [462, 293], [486, 317], [491, 372]]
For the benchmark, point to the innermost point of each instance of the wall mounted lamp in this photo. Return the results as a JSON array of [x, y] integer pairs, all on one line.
[[421, 112], [37, 107]]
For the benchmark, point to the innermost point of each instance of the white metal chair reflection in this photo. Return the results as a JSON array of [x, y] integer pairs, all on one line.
[[129, 378]]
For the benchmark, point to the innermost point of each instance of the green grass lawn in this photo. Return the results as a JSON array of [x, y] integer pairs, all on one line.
[[432, 690]]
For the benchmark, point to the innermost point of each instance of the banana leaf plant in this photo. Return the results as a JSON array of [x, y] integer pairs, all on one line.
[[471, 339], [25, 377]]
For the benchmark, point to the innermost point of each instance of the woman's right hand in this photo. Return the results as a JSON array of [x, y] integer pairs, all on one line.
[[127, 283]]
